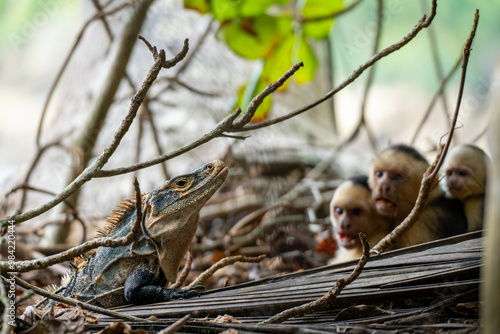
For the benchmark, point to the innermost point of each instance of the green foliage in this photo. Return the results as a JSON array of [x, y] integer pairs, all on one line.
[[267, 30]]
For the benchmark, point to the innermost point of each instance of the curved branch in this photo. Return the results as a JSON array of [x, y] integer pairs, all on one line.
[[431, 173], [28, 265], [327, 300], [423, 23], [96, 16], [73, 302], [92, 170]]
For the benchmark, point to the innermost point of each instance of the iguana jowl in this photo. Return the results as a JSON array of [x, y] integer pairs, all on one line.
[[137, 273]]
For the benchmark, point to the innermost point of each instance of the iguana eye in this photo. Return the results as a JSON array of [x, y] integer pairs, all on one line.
[[181, 183]]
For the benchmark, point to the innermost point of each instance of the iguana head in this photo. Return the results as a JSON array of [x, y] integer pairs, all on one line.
[[172, 211]]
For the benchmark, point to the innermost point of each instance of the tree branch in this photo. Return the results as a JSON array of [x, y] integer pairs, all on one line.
[[73, 302], [28, 265], [229, 124], [423, 23], [221, 264], [96, 16], [327, 300], [94, 169], [431, 173]]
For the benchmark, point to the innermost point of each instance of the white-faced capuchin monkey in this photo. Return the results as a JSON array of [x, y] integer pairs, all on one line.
[[464, 172], [395, 180], [352, 211]]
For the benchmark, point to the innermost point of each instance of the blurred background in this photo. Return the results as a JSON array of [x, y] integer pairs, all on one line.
[[187, 101], [36, 36]]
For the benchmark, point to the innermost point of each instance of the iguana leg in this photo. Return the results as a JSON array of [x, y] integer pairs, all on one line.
[[142, 287]]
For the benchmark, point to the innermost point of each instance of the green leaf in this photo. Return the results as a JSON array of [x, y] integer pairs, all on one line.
[[306, 55], [254, 86], [257, 37], [280, 61], [201, 6], [319, 8], [252, 8], [293, 49], [224, 10]]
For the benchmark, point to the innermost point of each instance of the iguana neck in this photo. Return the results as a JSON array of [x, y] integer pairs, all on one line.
[[173, 210]]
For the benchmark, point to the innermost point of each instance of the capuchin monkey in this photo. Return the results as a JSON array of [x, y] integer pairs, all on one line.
[[395, 180], [464, 171], [352, 211]]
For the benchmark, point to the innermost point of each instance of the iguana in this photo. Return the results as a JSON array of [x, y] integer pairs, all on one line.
[[137, 273]]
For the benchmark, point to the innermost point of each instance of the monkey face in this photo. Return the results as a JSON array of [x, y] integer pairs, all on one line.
[[465, 172], [395, 181], [458, 182], [351, 212], [386, 193]]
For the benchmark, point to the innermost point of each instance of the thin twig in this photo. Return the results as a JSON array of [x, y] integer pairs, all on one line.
[[94, 169], [73, 211], [431, 173], [329, 16], [328, 299], [74, 302], [229, 124], [436, 96], [176, 326], [257, 100], [221, 264], [437, 65], [96, 16], [369, 81], [28, 265]]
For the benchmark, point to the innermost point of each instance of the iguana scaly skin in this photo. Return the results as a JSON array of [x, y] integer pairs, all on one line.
[[137, 273]]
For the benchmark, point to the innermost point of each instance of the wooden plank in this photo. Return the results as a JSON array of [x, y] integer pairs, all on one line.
[[447, 267]]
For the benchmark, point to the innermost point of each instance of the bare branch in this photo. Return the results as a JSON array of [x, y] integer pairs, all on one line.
[[28, 265], [371, 75], [423, 23], [329, 16], [180, 56], [176, 326], [221, 264], [257, 100], [74, 302], [328, 299], [66, 62], [439, 93], [94, 169], [431, 173]]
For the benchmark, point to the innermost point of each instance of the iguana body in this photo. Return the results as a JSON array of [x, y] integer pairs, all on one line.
[[137, 273]]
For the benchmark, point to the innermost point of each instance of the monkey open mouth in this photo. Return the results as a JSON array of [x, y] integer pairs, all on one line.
[[384, 205], [348, 240]]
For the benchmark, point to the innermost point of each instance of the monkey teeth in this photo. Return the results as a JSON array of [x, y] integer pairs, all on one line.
[[384, 205], [346, 240], [385, 202]]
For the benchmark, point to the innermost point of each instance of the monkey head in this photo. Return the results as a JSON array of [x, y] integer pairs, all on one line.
[[465, 172], [352, 211], [395, 178]]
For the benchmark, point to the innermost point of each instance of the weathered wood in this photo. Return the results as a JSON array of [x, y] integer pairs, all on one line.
[[425, 275]]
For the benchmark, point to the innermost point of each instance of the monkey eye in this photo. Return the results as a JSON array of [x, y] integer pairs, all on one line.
[[378, 173], [357, 211], [396, 177], [339, 211], [462, 173]]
